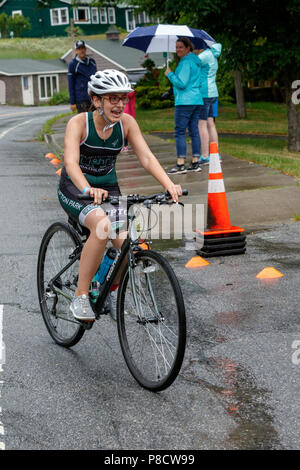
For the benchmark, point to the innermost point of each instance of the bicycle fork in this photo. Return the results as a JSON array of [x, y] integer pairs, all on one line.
[[137, 297]]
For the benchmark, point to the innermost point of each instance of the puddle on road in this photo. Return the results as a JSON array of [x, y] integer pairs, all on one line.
[[241, 398]]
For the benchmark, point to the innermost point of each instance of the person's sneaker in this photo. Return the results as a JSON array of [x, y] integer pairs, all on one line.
[[203, 161], [177, 169], [194, 166], [81, 308], [125, 149]]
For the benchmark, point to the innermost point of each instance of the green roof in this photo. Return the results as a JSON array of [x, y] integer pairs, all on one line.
[[31, 67]]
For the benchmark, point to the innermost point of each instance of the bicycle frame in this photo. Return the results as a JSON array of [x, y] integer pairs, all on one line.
[[105, 287], [130, 242], [125, 249]]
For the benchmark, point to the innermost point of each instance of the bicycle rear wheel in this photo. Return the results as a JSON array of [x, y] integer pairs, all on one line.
[[59, 246], [151, 321]]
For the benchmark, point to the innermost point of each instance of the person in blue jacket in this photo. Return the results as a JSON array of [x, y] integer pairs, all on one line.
[[186, 86], [79, 71], [209, 90]]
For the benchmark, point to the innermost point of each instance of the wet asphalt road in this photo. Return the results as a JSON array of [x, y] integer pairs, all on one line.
[[239, 385]]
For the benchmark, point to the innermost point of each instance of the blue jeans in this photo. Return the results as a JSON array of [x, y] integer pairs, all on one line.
[[187, 117]]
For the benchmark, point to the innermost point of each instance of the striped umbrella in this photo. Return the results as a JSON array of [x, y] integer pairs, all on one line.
[[163, 37]]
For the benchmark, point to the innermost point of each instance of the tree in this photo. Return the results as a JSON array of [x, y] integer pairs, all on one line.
[[3, 24], [18, 24], [258, 36]]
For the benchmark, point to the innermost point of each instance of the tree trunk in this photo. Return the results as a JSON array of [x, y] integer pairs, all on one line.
[[293, 118], [239, 94]]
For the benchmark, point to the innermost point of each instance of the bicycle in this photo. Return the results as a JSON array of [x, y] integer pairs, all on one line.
[[150, 307]]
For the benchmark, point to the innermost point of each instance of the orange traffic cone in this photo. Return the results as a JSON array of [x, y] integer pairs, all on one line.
[[49, 155], [55, 162], [220, 237], [217, 209]]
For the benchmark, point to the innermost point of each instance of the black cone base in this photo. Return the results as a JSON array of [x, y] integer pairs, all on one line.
[[222, 244]]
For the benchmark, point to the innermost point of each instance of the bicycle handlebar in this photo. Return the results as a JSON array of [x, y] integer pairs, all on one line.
[[160, 198]]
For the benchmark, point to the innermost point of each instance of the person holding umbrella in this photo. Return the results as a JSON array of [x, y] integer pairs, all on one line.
[[188, 99]]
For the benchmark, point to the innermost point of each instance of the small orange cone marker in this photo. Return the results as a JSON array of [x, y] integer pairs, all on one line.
[[220, 237], [58, 172], [49, 155], [55, 162], [269, 273], [144, 245], [196, 262]]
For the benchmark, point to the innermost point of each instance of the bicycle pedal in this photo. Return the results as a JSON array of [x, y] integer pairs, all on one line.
[[105, 310]]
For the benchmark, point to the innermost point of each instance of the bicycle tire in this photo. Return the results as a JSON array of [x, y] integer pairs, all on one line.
[[159, 328], [57, 247]]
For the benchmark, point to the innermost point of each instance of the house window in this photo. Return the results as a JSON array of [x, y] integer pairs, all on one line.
[[25, 83], [130, 20], [95, 15], [59, 16], [146, 18], [82, 15], [48, 86], [111, 15], [103, 16], [16, 12], [139, 18]]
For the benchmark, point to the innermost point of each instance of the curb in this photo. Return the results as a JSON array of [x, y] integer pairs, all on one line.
[[52, 143], [170, 135]]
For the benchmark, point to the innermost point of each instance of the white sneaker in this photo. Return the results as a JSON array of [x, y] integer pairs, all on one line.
[[81, 308]]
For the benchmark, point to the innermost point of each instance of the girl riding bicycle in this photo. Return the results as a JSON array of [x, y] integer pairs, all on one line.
[[92, 143]]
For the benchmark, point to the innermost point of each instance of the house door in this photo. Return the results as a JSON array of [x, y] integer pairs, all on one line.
[[130, 20], [27, 89], [2, 92]]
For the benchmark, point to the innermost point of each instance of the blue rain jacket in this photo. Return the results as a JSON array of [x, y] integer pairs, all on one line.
[[186, 81], [79, 73], [209, 67]]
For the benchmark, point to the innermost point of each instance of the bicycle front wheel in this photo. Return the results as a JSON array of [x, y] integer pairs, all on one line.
[[58, 248], [151, 321]]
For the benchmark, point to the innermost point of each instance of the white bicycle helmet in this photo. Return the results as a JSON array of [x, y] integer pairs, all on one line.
[[109, 81]]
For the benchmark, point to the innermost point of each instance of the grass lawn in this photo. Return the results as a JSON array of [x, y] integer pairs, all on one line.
[[266, 152], [34, 48], [39, 48], [262, 118]]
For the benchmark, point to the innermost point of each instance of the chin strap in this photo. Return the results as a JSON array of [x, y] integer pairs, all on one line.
[[109, 124]]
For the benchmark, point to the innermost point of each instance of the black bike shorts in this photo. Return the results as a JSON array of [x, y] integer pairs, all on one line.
[[80, 208]]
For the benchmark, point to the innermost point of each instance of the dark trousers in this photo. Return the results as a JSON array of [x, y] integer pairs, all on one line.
[[83, 106]]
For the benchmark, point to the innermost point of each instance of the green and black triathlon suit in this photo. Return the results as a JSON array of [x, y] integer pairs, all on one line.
[[97, 162]]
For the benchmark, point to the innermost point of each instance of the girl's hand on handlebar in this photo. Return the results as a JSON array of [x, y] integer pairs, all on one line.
[[98, 194], [175, 191]]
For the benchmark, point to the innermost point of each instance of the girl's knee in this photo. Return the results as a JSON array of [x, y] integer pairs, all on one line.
[[99, 224]]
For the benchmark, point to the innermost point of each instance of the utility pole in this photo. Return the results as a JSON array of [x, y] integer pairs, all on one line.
[[72, 35]]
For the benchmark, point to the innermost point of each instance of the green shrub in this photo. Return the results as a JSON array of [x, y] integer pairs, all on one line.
[[152, 86], [61, 97], [151, 97]]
